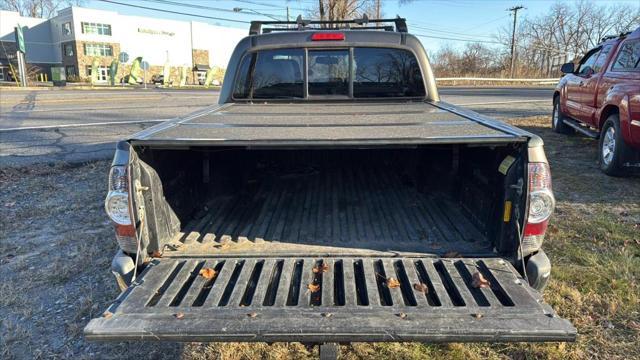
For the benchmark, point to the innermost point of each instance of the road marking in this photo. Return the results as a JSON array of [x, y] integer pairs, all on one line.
[[140, 107], [83, 125], [505, 102], [97, 99]]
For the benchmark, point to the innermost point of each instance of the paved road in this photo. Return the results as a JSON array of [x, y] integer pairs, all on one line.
[[80, 125]]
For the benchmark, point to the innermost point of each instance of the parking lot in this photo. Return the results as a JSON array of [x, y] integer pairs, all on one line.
[[57, 243]]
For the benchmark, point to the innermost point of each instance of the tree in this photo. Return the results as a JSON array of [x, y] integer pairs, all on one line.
[[37, 8], [566, 31], [333, 10]]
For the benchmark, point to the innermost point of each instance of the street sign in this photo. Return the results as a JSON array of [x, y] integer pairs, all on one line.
[[123, 57], [19, 35], [144, 66]]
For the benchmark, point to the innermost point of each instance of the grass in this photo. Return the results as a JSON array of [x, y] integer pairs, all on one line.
[[56, 245]]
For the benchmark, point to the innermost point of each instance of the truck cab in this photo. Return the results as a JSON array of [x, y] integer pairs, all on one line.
[[600, 98]]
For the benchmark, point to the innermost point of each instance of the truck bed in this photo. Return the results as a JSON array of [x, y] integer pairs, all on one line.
[[359, 210], [256, 124]]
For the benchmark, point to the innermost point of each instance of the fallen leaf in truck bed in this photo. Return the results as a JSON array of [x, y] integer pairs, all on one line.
[[392, 283], [421, 287], [451, 254], [313, 287], [179, 315], [478, 281], [321, 268], [208, 273]]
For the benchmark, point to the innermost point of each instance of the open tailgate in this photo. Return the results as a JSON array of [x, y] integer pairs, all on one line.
[[269, 299]]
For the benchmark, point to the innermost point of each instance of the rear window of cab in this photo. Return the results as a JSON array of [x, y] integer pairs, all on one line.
[[329, 73]]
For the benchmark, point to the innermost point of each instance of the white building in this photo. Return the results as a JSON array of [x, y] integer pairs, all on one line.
[[77, 36]]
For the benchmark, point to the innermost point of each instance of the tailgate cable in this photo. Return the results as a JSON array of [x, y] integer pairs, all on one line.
[[138, 188], [524, 269]]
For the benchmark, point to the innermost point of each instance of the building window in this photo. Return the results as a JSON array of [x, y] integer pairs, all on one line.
[[1, 73], [96, 28], [103, 72], [68, 49], [98, 50], [70, 71], [66, 28]]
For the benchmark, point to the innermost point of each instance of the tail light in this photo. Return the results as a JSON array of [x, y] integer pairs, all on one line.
[[119, 210], [327, 36], [541, 205]]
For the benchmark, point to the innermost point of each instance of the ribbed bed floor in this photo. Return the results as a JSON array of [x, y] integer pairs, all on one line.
[[323, 210]]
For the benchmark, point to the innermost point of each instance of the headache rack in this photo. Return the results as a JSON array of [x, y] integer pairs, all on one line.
[[305, 24]]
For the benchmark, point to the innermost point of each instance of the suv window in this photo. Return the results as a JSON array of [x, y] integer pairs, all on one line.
[[386, 73], [602, 58], [587, 63], [628, 56]]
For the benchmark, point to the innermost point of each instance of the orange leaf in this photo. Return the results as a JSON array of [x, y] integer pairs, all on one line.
[[208, 273], [179, 315], [421, 287], [156, 254], [393, 283], [321, 268], [313, 287], [478, 281], [252, 314]]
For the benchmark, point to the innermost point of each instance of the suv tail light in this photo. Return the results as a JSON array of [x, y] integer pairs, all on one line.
[[541, 205], [119, 210]]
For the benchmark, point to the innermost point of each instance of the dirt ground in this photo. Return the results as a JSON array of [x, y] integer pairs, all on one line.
[[56, 245]]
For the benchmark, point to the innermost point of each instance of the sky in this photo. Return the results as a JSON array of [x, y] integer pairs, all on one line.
[[437, 22]]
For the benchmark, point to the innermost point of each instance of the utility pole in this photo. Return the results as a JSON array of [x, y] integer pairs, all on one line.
[[377, 9], [513, 38], [287, 14]]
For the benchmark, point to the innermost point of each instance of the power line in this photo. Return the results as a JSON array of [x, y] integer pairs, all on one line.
[[458, 39], [448, 32], [486, 23], [195, 6], [175, 12], [268, 5]]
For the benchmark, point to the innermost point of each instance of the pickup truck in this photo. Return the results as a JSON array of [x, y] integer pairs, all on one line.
[[600, 98], [330, 197]]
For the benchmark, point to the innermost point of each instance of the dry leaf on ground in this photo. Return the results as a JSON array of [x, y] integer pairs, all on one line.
[[313, 287], [208, 273], [393, 283], [421, 287], [323, 268], [451, 254], [156, 254], [478, 281], [179, 315]]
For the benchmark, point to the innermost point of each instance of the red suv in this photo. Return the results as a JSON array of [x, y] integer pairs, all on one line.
[[601, 99]]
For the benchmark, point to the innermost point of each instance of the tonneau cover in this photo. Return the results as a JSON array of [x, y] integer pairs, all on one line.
[[253, 124]]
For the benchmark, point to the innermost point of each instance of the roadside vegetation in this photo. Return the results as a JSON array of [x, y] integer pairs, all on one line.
[[56, 245]]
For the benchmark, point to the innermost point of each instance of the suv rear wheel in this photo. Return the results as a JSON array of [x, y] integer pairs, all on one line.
[[557, 123], [613, 149]]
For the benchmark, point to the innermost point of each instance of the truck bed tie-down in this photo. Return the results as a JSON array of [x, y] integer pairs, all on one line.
[[330, 300]]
